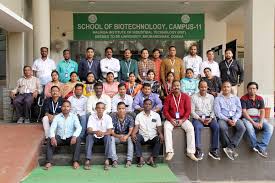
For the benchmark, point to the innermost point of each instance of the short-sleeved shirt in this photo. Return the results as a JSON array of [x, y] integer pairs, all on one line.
[[102, 124], [252, 106], [44, 69], [65, 68], [122, 127], [148, 124]]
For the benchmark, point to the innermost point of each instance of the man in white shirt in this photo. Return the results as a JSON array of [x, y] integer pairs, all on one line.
[[65, 130], [122, 97], [210, 63], [98, 97], [147, 130], [79, 107], [193, 61], [203, 115], [99, 129], [109, 64], [43, 67]]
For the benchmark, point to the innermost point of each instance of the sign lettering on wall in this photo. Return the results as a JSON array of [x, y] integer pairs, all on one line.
[[103, 26]]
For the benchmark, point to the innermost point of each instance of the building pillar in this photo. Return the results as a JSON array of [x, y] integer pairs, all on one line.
[[259, 47], [41, 25]]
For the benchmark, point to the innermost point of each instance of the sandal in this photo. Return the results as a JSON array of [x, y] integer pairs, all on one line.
[[75, 165], [47, 166], [140, 164], [152, 164], [128, 164], [87, 165], [115, 164], [106, 165]]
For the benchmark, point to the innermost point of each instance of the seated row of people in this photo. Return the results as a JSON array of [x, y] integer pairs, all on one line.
[[220, 113]]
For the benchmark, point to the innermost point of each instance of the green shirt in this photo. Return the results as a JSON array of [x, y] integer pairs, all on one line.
[[64, 68], [126, 67]]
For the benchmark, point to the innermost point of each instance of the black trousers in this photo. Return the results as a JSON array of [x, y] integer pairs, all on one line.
[[155, 142], [61, 142]]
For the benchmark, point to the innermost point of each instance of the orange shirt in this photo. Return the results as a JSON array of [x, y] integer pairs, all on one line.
[[157, 63]]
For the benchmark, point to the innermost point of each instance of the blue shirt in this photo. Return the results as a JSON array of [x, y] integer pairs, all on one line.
[[65, 68], [228, 107], [139, 98], [122, 128], [65, 128]]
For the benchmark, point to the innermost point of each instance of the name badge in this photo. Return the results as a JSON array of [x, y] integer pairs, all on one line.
[[66, 75], [177, 115], [154, 120], [28, 90], [231, 113], [172, 70], [143, 74], [203, 117], [128, 74]]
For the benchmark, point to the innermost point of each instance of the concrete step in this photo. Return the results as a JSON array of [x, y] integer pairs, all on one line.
[[98, 159], [98, 148]]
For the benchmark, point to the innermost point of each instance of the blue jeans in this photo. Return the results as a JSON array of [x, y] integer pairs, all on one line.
[[231, 142], [267, 133], [83, 121], [130, 148], [215, 133]]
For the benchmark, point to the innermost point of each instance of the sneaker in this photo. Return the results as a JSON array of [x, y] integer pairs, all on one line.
[[27, 121], [229, 152], [255, 149], [169, 156], [235, 154], [215, 155], [20, 120], [261, 152], [199, 154], [192, 156]]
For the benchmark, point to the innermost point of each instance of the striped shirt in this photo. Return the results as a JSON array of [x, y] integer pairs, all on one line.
[[27, 85], [144, 67]]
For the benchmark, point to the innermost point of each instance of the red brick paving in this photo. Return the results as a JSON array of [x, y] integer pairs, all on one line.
[[19, 151]]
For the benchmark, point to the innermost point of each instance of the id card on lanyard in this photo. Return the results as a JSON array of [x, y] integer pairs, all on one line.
[[54, 107], [177, 114]]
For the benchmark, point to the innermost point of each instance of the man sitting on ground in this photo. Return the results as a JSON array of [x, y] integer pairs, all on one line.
[[123, 126], [147, 130], [65, 130]]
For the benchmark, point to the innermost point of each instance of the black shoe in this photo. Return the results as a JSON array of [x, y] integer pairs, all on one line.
[[229, 152], [199, 154], [214, 154], [261, 152]]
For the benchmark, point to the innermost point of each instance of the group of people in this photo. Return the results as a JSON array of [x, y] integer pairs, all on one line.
[[111, 101]]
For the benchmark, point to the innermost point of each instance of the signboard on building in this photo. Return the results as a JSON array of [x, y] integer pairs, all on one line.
[[103, 26]]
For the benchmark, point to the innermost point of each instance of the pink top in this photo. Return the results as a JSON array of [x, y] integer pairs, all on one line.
[[110, 89], [48, 86]]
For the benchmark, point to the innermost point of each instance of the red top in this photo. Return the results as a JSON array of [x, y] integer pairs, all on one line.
[[157, 69], [170, 109]]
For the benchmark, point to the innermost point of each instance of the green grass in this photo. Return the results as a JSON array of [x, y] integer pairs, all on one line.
[[65, 174]]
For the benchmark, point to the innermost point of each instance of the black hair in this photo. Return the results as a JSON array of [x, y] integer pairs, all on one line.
[[229, 49], [90, 48], [65, 51], [66, 101], [151, 70], [108, 48], [155, 49], [170, 73], [98, 84], [55, 71], [189, 69], [146, 85], [55, 87], [44, 47], [171, 47], [253, 83], [209, 51], [147, 99], [26, 66], [73, 73], [201, 81], [207, 68], [143, 50], [98, 103], [121, 85], [110, 73], [226, 81], [78, 85], [121, 103]]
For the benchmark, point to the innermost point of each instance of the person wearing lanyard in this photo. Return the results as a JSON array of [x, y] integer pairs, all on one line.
[[89, 64], [99, 130], [144, 65], [66, 66], [177, 108], [127, 65], [172, 64], [203, 115], [123, 126], [228, 110], [132, 87], [232, 71], [193, 61]]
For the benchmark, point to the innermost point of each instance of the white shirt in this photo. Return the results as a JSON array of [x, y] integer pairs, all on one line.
[[214, 66], [44, 69], [202, 105], [109, 65], [128, 100], [102, 124], [148, 124], [79, 105], [193, 63], [92, 100]]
